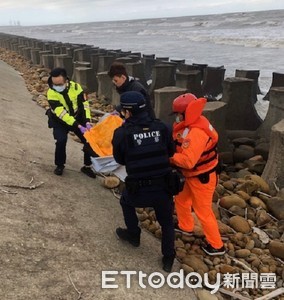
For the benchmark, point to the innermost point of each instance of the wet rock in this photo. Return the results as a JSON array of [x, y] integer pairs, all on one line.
[[264, 269], [142, 217], [243, 195], [257, 203], [187, 239], [262, 218], [256, 262], [226, 157], [262, 149], [158, 233], [224, 177], [256, 166], [257, 251], [229, 201], [227, 269], [240, 166], [181, 253], [220, 189], [250, 245], [153, 227], [212, 274], [264, 187], [140, 210], [251, 214], [203, 294], [216, 261], [215, 196], [255, 158], [280, 194], [281, 226], [241, 155], [196, 263], [229, 185], [230, 246], [275, 206], [242, 253], [145, 224], [179, 243], [239, 224], [208, 262], [223, 228], [272, 233], [243, 141], [44, 79], [242, 173], [216, 211], [187, 269], [236, 210], [248, 186], [110, 182], [276, 249]]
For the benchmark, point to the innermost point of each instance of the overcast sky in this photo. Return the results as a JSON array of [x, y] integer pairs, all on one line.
[[41, 12]]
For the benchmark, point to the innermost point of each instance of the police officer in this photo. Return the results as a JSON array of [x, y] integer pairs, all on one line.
[[144, 146], [69, 111]]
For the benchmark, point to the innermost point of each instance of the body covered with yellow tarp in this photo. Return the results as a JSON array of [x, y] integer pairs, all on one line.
[[100, 136]]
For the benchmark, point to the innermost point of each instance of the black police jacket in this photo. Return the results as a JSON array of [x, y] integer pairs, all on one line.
[[144, 146], [132, 85]]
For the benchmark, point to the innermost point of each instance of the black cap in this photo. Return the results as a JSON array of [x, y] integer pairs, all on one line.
[[132, 101]]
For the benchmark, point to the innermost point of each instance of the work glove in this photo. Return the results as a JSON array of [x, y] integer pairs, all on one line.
[[88, 125], [83, 129]]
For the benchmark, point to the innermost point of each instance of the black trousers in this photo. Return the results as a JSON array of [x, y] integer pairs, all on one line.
[[163, 205], [60, 134]]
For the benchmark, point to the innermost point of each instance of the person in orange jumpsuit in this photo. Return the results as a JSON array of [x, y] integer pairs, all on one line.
[[196, 156]]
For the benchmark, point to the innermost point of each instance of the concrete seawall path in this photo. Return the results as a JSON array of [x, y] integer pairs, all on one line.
[[61, 232]]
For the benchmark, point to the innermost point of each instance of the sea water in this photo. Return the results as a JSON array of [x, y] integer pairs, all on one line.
[[251, 40]]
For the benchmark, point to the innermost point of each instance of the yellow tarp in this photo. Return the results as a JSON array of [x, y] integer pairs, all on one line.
[[100, 136]]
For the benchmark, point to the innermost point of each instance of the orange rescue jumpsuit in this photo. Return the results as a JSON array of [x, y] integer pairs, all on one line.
[[196, 154]]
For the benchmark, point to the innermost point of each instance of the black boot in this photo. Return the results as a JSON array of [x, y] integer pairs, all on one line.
[[88, 171], [124, 234], [58, 170], [168, 262]]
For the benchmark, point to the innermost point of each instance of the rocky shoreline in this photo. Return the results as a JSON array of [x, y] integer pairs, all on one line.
[[250, 215]]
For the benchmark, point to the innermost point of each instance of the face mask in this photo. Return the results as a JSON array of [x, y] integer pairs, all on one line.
[[59, 88]]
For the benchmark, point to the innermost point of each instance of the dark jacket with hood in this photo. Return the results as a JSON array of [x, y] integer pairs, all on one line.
[[132, 84]]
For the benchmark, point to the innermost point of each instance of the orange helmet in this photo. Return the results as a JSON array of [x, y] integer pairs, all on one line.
[[180, 103]]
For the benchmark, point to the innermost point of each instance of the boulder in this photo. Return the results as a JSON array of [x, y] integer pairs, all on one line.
[[242, 253], [196, 263], [256, 203], [243, 141], [241, 155], [275, 206], [229, 201], [277, 249], [203, 294], [236, 210], [262, 218], [248, 186], [239, 224], [263, 185]]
